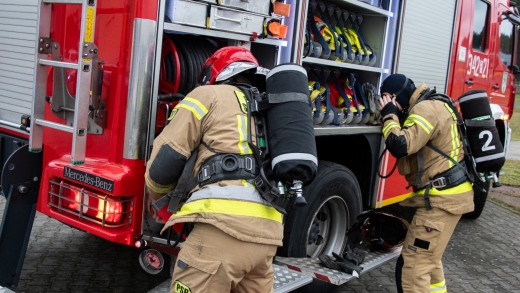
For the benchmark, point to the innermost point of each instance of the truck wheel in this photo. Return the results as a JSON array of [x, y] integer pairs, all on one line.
[[479, 198], [333, 202]]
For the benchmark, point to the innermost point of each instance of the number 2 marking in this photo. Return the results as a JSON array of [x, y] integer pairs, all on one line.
[[486, 146]]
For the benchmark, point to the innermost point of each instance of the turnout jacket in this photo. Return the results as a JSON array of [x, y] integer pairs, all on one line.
[[428, 121], [212, 119]]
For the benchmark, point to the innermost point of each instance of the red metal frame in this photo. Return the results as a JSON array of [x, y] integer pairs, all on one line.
[[14, 133], [113, 36]]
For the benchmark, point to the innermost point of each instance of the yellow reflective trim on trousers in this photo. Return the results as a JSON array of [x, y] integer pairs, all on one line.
[[230, 207], [461, 188], [243, 145], [454, 143], [194, 106], [438, 287], [451, 111], [421, 121], [390, 126]]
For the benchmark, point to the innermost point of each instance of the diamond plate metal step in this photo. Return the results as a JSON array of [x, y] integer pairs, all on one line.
[[313, 268], [285, 280]]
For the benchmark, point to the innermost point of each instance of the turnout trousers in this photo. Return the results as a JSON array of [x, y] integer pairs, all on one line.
[[213, 261], [419, 267]]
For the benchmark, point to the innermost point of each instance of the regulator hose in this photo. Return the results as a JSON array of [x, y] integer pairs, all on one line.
[[380, 160]]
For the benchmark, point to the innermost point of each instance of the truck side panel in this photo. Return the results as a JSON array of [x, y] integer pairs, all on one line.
[[423, 54]]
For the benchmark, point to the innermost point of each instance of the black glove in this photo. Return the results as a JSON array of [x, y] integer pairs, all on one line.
[[339, 263], [355, 256], [329, 262], [389, 108], [348, 266]]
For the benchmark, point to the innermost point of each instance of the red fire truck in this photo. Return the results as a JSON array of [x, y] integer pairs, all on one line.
[[86, 85]]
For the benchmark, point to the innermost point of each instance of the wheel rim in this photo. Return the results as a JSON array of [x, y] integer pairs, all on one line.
[[332, 221]]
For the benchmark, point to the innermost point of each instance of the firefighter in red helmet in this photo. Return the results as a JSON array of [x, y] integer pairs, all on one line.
[[236, 232]]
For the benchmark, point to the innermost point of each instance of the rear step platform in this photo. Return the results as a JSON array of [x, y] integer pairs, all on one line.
[[285, 280], [312, 266], [293, 273]]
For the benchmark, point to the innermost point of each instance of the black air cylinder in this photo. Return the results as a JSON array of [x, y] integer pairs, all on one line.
[[482, 132], [290, 130]]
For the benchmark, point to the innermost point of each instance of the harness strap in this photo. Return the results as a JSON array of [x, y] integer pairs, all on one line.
[[427, 203], [174, 197], [226, 167], [342, 93], [430, 145], [315, 30]]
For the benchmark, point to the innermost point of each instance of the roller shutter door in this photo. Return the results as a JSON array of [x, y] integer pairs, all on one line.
[[18, 27], [426, 41]]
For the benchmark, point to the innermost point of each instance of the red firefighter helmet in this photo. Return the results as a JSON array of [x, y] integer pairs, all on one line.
[[225, 63]]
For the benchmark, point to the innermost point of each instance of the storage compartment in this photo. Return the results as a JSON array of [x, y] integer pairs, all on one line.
[[256, 6], [201, 14], [187, 12], [235, 20]]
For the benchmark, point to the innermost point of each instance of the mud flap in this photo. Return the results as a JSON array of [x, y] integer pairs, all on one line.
[[20, 180]]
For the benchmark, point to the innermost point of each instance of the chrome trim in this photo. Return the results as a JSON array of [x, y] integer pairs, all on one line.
[[14, 125], [59, 64], [140, 88], [150, 136], [345, 130], [54, 125], [62, 1]]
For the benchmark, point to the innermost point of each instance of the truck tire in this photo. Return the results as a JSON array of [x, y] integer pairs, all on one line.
[[333, 202], [479, 199]]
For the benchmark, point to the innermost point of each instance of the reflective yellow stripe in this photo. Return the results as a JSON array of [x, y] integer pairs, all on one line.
[[156, 189], [247, 184], [194, 106], [390, 126], [230, 207], [461, 188], [438, 287], [408, 123], [451, 111], [421, 121], [454, 143], [243, 146], [396, 199]]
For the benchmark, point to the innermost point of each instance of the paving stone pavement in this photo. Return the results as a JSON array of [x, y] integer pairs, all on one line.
[[483, 256]]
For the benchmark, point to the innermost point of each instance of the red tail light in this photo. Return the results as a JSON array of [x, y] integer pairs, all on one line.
[[88, 204]]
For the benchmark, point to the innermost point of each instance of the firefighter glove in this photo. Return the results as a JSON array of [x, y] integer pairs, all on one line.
[[389, 108]]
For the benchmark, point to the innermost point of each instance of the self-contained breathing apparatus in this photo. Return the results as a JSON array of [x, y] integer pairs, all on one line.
[[284, 156]]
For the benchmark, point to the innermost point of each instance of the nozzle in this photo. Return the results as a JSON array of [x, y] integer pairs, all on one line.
[[296, 189], [281, 188], [495, 181]]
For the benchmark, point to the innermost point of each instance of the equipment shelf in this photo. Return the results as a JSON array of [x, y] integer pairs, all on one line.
[[318, 61], [361, 7], [173, 27]]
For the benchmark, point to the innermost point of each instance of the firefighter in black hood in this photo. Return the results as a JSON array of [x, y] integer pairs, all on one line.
[[441, 190]]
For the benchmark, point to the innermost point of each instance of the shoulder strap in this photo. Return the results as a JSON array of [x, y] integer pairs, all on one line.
[[180, 192], [430, 145]]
